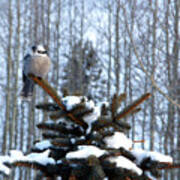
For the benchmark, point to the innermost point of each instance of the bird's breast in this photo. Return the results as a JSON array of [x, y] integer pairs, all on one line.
[[40, 66]]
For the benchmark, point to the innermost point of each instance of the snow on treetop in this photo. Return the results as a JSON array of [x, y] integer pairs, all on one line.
[[141, 154], [126, 164], [92, 117], [118, 140], [71, 101], [85, 151]]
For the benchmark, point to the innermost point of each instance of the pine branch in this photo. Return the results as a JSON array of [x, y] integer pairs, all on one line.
[[61, 142], [48, 106], [52, 93], [61, 128], [49, 135], [129, 109], [114, 106], [57, 115], [49, 170], [139, 141], [124, 125], [101, 124], [116, 102], [33, 165], [80, 110], [121, 98], [168, 166]]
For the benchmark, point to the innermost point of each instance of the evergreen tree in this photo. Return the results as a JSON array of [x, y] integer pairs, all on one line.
[[84, 72], [86, 141]]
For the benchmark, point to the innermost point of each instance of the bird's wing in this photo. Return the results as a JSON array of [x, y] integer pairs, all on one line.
[[27, 60]]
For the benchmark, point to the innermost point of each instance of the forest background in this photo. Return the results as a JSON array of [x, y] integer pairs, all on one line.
[[97, 48]]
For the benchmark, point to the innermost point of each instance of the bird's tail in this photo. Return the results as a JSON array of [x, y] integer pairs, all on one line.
[[27, 91]]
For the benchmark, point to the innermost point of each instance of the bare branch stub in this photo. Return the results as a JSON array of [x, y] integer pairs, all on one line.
[[132, 106], [52, 93]]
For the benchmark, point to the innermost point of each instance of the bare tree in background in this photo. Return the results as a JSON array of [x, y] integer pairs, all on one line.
[[153, 120], [9, 76], [109, 48], [66, 25], [117, 46]]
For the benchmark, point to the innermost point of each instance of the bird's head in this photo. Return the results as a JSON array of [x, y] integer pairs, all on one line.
[[39, 50]]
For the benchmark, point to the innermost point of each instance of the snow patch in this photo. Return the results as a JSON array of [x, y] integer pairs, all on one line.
[[41, 158], [17, 156], [141, 154], [118, 140], [4, 169], [92, 117], [71, 101], [85, 151], [125, 163], [43, 145]]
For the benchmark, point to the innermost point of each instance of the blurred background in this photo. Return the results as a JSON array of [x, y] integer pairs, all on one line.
[[98, 48]]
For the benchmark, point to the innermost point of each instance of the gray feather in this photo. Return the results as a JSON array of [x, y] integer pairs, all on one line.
[[37, 65]]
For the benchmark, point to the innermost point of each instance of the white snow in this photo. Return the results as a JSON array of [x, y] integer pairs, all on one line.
[[92, 117], [73, 140], [125, 163], [16, 153], [45, 144], [155, 156], [118, 140], [106, 178], [4, 169], [41, 158], [17, 156], [71, 101], [148, 174], [85, 151]]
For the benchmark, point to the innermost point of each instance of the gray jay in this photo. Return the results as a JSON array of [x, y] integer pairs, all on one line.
[[38, 63]]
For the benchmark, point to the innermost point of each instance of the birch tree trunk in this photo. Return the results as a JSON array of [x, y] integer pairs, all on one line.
[[58, 43], [132, 6], [14, 127], [109, 49], [176, 78], [6, 134], [169, 84], [49, 3], [117, 57], [152, 118]]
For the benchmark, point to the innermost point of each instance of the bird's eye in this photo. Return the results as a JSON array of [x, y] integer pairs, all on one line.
[[42, 52]]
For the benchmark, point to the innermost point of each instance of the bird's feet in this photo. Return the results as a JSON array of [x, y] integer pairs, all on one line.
[[27, 97]]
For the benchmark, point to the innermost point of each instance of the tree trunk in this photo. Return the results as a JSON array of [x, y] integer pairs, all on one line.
[[152, 117], [109, 49], [176, 65], [14, 127], [117, 57], [6, 141]]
